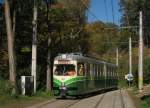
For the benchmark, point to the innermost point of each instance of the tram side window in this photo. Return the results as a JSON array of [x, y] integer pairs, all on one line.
[[95, 70], [81, 69], [98, 69], [108, 72], [112, 72], [91, 69], [116, 74], [88, 70], [101, 70]]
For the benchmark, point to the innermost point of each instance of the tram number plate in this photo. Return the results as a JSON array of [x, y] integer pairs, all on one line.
[[63, 88]]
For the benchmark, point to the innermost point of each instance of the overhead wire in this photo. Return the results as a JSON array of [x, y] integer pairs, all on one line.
[[89, 11], [112, 5], [112, 8], [106, 11]]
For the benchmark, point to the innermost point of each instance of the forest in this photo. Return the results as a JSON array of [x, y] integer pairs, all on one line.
[[62, 27]]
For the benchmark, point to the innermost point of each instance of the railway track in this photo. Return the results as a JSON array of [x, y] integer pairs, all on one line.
[[60, 103], [100, 100], [69, 106], [113, 99], [122, 99]]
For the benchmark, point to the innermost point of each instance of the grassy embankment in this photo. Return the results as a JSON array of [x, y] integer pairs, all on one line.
[[8, 101], [140, 101], [18, 101]]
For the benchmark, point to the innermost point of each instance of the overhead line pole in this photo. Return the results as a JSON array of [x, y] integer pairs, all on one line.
[[117, 57], [34, 44], [130, 56], [140, 70]]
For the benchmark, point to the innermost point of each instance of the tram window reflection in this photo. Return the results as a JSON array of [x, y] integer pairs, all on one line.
[[81, 69], [65, 70]]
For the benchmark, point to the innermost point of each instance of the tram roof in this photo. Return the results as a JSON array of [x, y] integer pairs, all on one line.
[[80, 57]]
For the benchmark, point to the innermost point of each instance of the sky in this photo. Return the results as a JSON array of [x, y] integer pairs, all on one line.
[[1, 1], [97, 8], [97, 11]]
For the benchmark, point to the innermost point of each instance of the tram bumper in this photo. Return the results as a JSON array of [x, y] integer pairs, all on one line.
[[63, 91]]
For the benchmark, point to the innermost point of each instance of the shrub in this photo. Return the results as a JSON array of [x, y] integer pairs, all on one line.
[[5, 87]]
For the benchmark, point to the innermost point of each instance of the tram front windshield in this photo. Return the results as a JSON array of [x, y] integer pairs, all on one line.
[[64, 70]]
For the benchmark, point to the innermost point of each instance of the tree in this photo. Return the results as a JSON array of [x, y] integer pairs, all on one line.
[[10, 38], [62, 23], [66, 30]]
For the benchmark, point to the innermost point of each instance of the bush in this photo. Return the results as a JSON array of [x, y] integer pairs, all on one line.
[[5, 87], [43, 94], [147, 71]]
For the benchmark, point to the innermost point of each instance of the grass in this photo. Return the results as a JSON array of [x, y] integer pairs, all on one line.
[[139, 103], [7, 101], [145, 103], [18, 101]]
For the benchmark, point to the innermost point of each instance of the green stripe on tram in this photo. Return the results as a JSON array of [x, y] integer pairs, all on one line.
[[75, 79], [70, 81], [57, 81]]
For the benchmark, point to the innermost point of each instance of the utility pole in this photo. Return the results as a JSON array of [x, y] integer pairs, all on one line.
[[130, 56], [34, 46], [117, 56], [140, 70], [130, 59]]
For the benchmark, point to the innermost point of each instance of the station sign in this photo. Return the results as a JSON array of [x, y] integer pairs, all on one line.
[[129, 77]]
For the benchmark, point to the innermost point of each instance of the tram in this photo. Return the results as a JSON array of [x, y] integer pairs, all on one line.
[[75, 75]]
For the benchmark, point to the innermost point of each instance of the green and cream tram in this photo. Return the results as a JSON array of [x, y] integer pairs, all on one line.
[[75, 75]]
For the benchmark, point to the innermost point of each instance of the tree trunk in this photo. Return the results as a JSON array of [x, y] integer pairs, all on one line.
[[12, 68], [49, 75]]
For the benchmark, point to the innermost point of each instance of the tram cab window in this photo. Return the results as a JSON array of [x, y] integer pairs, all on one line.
[[81, 69], [64, 70]]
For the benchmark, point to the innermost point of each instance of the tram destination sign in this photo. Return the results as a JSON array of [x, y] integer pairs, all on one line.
[[64, 62]]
